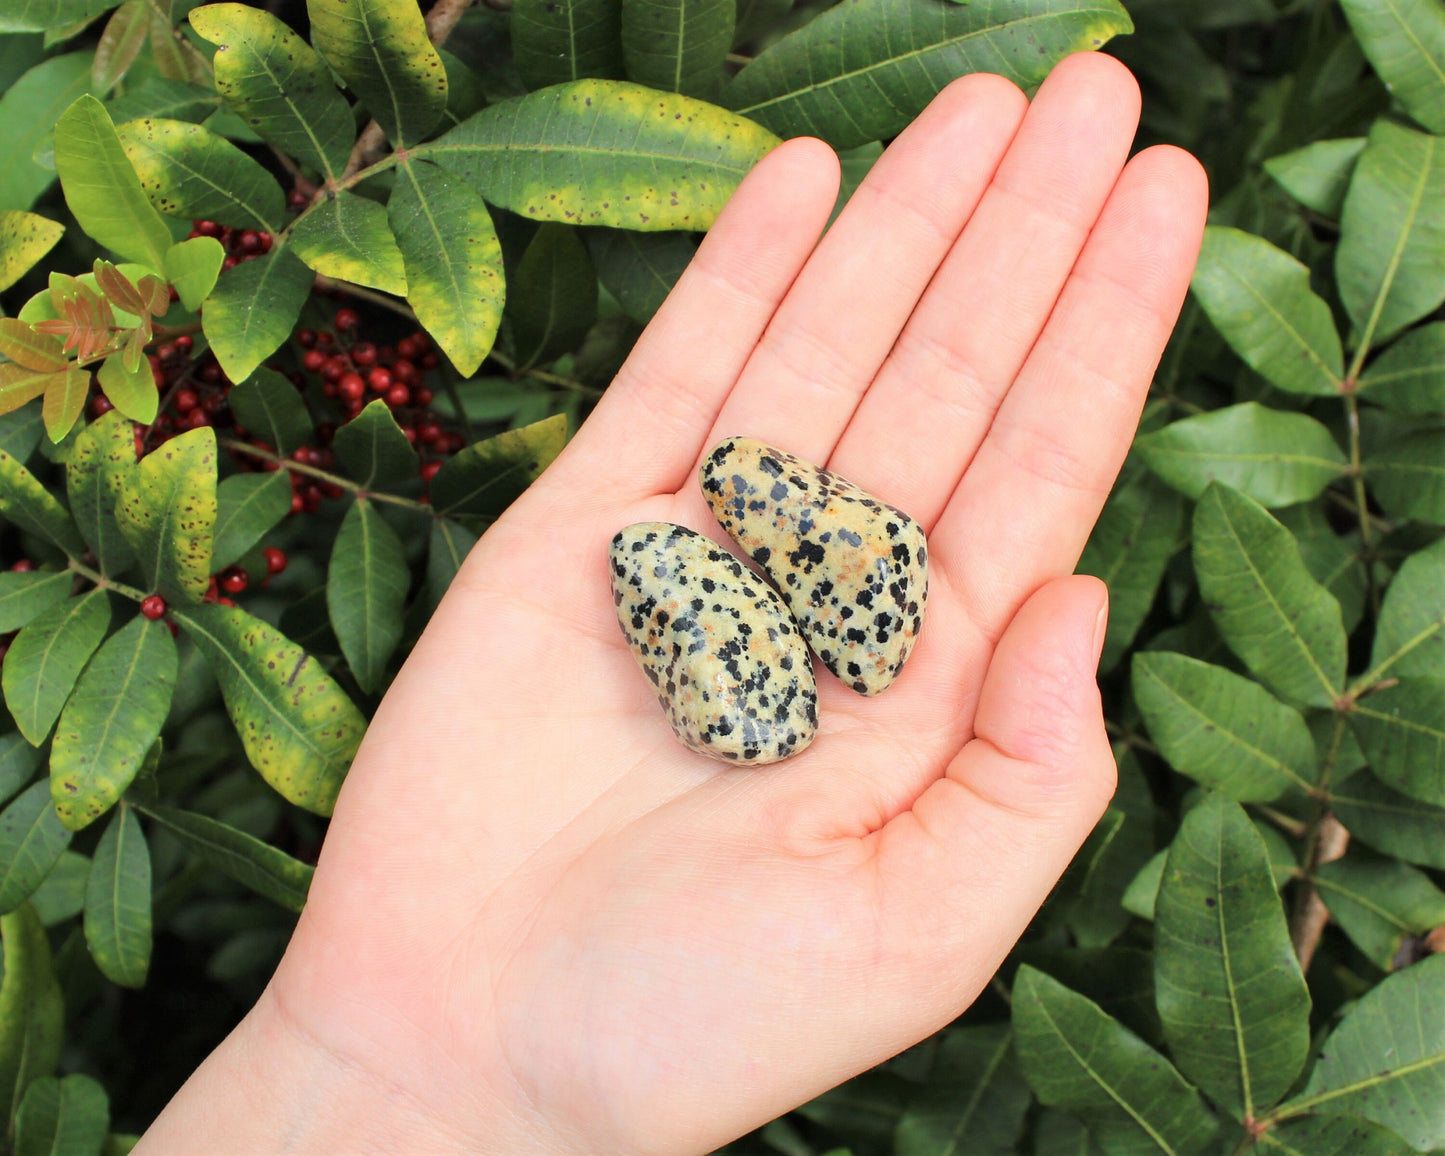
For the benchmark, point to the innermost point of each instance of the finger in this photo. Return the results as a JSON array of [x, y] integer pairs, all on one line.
[[666, 396], [965, 869], [843, 315], [973, 329], [1041, 475]]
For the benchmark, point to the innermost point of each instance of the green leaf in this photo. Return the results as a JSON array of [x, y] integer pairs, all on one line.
[[47, 657], [1275, 457], [1391, 232], [1129, 548], [20, 431], [1333, 561], [366, 587], [32, 1011], [248, 507], [860, 72], [18, 763], [373, 451], [382, 50], [23, 597], [298, 728], [167, 512], [453, 260], [639, 269], [1379, 903], [1260, 300], [157, 96], [1386, 1060], [1317, 175], [1330, 1136], [28, 112], [192, 267], [1410, 633], [605, 152], [487, 476], [31, 840], [112, 720], [19, 386], [1231, 997], [1118, 846], [347, 236], [552, 299], [62, 1117], [118, 902], [1409, 377], [1272, 613], [1405, 41], [678, 45], [554, 41], [30, 507], [254, 307], [1408, 475], [1388, 821], [1062, 1134], [102, 189], [257, 865], [50, 15], [190, 172], [974, 1101], [130, 390], [1402, 730], [24, 239], [277, 83], [64, 398], [1222, 730], [62, 895], [450, 543], [1077, 1057], [125, 35], [271, 410]]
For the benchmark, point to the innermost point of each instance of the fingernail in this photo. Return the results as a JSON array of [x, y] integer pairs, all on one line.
[[1101, 629]]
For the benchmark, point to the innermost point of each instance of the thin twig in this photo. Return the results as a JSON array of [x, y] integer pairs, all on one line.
[[328, 284], [371, 144], [79, 567], [542, 375], [240, 447], [1313, 915]]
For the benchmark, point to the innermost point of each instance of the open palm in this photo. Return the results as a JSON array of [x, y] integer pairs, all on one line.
[[539, 923]]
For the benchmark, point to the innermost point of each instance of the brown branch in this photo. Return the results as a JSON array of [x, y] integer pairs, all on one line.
[[370, 146], [1312, 915]]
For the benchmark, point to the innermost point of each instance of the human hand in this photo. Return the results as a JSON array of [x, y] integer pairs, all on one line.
[[540, 924]]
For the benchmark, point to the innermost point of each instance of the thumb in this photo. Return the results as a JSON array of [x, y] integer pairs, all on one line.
[[980, 849]]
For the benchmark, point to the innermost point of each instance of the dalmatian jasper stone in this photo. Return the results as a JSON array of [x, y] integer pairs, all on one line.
[[731, 670], [854, 570]]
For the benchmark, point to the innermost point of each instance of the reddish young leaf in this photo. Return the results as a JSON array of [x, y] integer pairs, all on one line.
[[119, 288]]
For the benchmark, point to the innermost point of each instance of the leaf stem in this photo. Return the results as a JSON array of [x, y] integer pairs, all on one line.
[[542, 375], [240, 447], [1325, 841], [329, 284], [95, 576], [1362, 506]]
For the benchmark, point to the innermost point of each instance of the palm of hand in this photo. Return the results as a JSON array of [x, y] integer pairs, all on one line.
[[533, 903]]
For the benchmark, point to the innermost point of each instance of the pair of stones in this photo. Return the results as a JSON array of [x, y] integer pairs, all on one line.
[[726, 653]]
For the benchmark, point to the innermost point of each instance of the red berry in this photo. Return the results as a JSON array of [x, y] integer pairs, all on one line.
[[397, 396], [332, 490], [224, 602], [455, 443], [275, 560], [429, 470], [24, 566], [385, 354], [184, 343], [266, 242], [197, 418], [213, 590], [173, 628], [422, 396], [429, 431], [213, 403], [351, 387], [336, 365], [404, 370], [166, 352], [306, 338], [206, 228], [186, 400], [157, 372], [311, 498], [249, 241], [100, 404], [313, 359], [407, 347], [429, 360], [296, 199], [233, 580], [379, 379], [297, 505], [410, 432], [211, 373], [347, 319], [153, 606], [329, 389], [230, 263], [363, 353], [325, 340]]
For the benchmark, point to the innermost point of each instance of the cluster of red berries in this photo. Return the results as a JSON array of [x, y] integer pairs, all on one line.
[[241, 244], [231, 580]]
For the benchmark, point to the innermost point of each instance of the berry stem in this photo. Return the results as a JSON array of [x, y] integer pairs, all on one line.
[[78, 567], [253, 451]]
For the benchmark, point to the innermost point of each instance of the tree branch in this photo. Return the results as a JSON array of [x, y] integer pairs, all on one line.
[[371, 144]]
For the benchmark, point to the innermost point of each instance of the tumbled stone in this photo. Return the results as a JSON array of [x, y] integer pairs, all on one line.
[[731, 670], [854, 570]]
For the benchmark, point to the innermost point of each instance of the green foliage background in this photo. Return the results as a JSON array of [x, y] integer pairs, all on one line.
[[1241, 959]]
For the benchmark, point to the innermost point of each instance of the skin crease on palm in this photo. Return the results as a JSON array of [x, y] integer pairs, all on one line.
[[539, 924]]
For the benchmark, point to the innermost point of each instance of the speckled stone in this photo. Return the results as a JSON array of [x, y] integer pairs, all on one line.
[[854, 570], [731, 670]]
